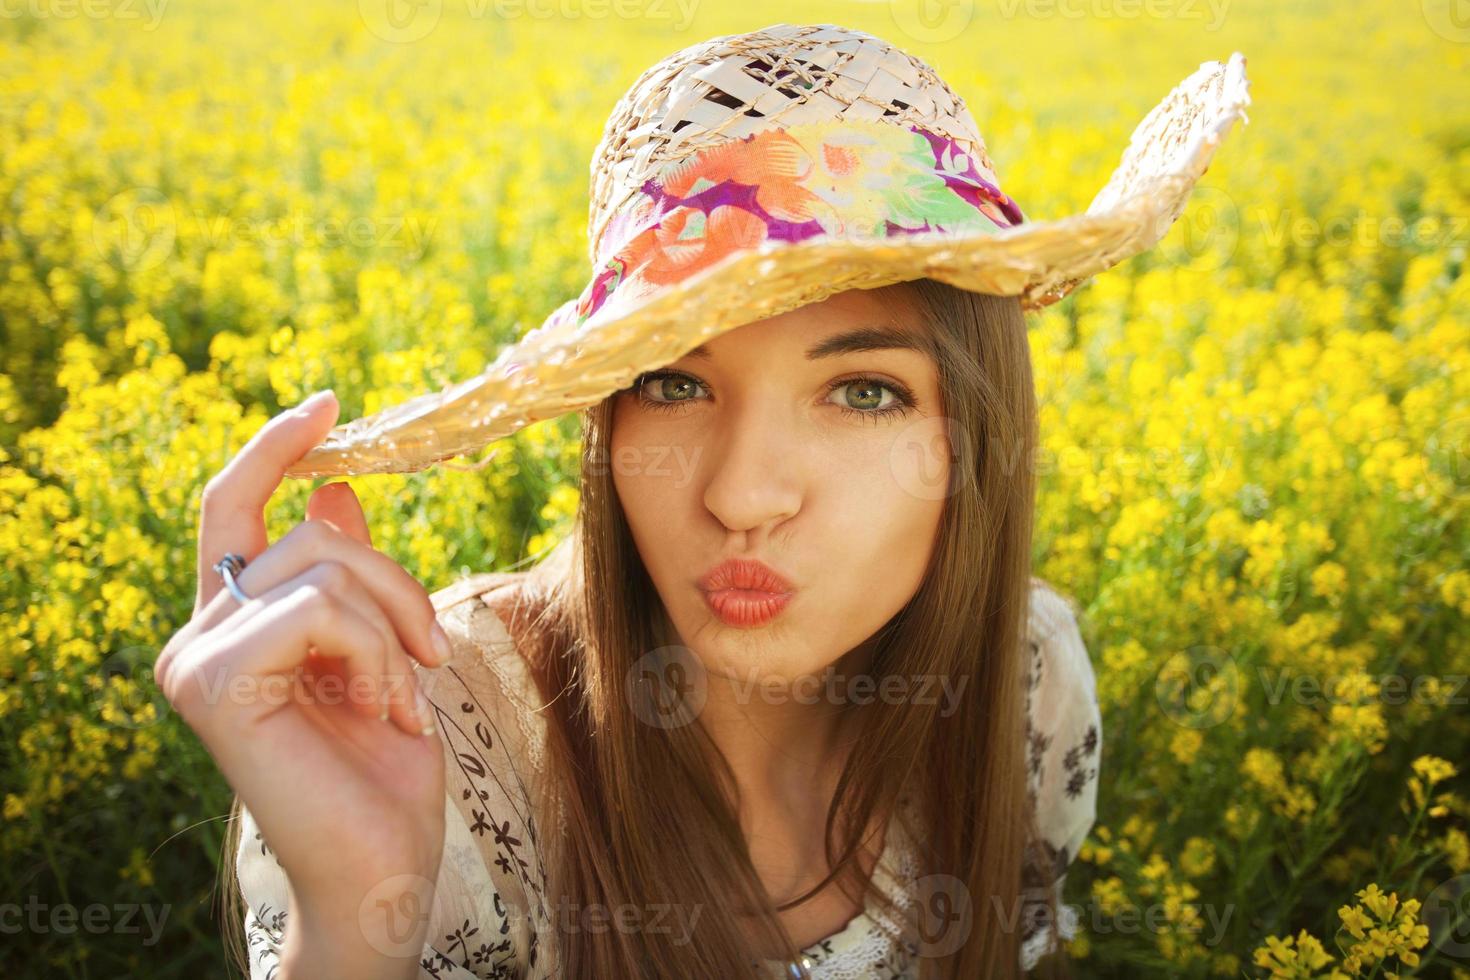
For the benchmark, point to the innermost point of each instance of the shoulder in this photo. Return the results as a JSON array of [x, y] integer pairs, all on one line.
[[1063, 721], [487, 656], [480, 589], [1050, 610], [1063, 745], [1057, 654], [486, 698], [475, 611]]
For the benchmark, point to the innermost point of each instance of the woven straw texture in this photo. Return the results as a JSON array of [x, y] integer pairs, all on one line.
[[736, 86], [731, 87]]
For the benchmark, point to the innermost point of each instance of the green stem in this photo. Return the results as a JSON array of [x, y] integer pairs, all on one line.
[[1408, 838], [45, 839]]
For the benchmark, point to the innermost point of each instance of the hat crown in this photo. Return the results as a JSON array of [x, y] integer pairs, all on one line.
[[737, 85]]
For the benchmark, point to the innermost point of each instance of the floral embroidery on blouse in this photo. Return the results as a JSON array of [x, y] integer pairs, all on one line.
[[489, 918]]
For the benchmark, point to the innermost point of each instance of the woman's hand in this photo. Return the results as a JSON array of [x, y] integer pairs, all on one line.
[[287, 692]]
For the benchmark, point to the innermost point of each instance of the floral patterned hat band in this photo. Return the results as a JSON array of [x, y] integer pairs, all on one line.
[[754, 173], [836, 177]]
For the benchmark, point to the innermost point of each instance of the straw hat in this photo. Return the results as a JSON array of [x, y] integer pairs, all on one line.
[[754, 173]]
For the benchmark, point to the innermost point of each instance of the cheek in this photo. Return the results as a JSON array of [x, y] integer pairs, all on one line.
[[885, 510], [918, 459], [653, 477]]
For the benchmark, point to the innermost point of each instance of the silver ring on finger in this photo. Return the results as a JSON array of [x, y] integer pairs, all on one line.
[[228, 567]]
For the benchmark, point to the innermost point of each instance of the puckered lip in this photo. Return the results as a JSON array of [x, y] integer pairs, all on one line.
[[745, 573]]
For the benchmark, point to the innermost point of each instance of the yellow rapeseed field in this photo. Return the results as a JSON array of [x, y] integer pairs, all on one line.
[[1257, 437]]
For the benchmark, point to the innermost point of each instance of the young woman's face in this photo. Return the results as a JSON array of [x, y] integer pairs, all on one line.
[[789, 443]]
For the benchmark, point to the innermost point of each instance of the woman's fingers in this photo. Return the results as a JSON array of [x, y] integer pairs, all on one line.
[[326, 568], [401, 596], [232, 510], [249, 671], [337, 505], [398, 698], [254, 668]]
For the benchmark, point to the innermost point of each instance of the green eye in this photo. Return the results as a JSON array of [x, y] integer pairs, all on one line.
[[869, 397], [868, 401], [668, 390], [672, 389]]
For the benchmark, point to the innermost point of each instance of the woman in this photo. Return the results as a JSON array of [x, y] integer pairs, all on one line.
[[787, 702]]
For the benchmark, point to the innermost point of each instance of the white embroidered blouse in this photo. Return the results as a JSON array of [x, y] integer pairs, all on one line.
[[489, 917]]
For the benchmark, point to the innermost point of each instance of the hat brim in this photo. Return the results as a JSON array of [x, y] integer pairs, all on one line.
[[562, 367]]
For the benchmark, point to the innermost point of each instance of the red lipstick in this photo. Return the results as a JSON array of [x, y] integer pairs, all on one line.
[[745, 593]]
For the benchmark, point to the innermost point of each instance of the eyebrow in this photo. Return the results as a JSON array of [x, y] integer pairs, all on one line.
[[855, 341]]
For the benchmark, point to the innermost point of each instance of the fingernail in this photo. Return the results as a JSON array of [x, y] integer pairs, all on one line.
[[316, 399], [440, 641], [423, 710]]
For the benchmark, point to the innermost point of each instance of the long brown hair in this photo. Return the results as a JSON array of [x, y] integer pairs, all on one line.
[[650, 811]]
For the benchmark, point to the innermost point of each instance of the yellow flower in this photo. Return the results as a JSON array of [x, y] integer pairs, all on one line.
[[1354, 920], [1185, 745], [1329, 580], [1433, 769], [138, 868], [1455, 591], [1279, 956], [1263, 767], [1197, 858], [1456, 848], [1393, 930], [1109, 895]]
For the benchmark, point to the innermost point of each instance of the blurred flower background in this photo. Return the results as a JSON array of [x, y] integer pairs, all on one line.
[[1256, 461]]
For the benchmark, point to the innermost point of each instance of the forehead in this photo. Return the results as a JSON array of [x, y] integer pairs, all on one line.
[[852, 321]]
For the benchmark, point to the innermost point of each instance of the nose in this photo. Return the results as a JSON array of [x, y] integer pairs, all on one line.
[[756, 465]]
